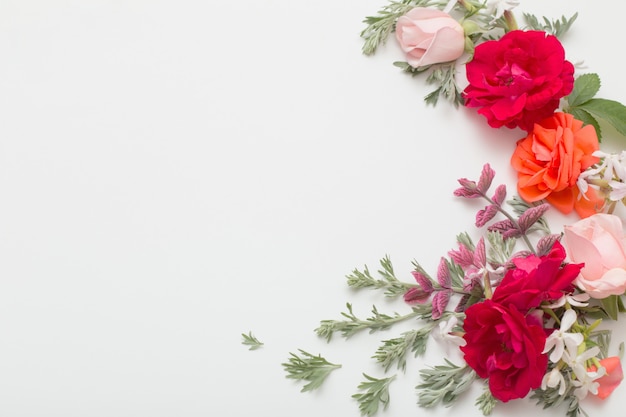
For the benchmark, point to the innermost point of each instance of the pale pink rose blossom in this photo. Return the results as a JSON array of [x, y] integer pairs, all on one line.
[[598, 241], [429, 36]]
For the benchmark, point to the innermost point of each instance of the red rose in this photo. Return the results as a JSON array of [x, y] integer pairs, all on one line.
[[535, 279], [519, 79], [505, 346]]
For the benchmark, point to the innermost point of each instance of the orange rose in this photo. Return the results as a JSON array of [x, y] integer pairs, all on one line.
[[549, 160]]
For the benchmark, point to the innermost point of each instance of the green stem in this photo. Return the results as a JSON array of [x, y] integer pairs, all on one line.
[[387, 322]]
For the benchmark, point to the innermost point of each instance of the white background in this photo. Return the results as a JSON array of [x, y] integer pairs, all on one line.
[[176, 173]]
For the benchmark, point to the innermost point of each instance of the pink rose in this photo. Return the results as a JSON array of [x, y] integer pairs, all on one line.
[[598, 241], [429, 36]]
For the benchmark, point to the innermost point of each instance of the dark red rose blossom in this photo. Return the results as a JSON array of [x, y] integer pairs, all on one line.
[[506, 347], [536, 279], [519, 79]]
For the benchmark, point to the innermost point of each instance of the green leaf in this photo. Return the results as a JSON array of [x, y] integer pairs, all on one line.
[[602, 339], [395, 350], [251, 341], [587, 119], [611, 111], [585, 88], [486, 402], [376, 393], [310, 368], [378, 321], [611, 306], [433, 97], [404, 66], [392, 286], [379, 27], [443, 384], [443, 75], [556, 27]]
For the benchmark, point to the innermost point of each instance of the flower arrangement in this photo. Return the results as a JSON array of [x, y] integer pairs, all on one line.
[[523, 304]]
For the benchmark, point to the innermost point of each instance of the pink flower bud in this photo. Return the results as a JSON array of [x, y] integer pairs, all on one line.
[[429, 36]]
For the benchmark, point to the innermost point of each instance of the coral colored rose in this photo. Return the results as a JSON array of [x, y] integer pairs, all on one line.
[[429, 36], [518, 79], [549, 160], [536, 279], [613, 377], [598, 241], [505, 346]]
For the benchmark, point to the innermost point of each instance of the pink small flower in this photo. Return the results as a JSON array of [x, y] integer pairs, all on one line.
[[429, 36], [420, 294], [416, 295]]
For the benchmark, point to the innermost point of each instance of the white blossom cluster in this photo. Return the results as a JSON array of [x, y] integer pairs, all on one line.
[[608, 176]]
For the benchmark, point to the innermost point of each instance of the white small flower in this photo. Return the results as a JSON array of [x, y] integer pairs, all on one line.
[[554, 379], [586, 177], [584, 380], [582, 184], [578, 300], [560, 338], [443, 333], [620, 168], [496, 8], [611, 170], [586, 383], [495, 275], [578, 362], [618, 190], [479, 274]]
